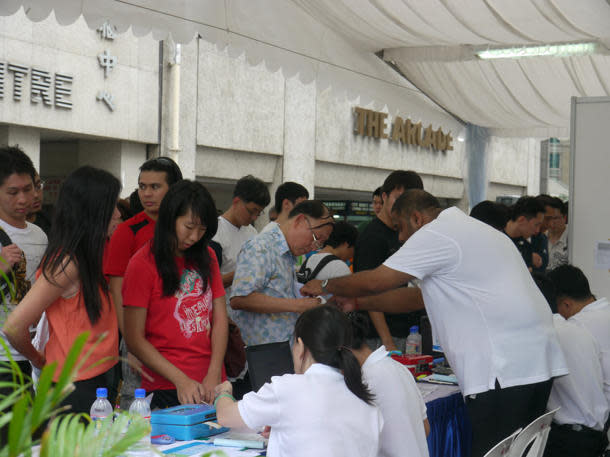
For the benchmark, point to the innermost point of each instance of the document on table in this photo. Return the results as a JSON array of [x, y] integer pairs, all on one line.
[[200, 448]]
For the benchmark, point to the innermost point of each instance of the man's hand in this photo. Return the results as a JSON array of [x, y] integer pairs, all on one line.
[[307, 303], [11, 255], [313, 288], [189, 391], [389, 345], [536, 260], [345, 304]]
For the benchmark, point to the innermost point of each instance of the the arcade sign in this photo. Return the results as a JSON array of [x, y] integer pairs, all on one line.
[[374, 124]]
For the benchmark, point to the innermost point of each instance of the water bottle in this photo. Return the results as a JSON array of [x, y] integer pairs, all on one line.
[[101, 407], [414, 342], [140, 407]]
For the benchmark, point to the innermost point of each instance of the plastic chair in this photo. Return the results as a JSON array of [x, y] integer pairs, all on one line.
[[535, 434], [502, 449]]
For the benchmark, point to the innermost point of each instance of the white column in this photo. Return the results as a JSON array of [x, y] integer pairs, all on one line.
[[27, 138], [121, 158], [300, 134]]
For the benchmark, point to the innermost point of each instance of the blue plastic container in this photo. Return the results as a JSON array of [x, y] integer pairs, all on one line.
[[185, 422]]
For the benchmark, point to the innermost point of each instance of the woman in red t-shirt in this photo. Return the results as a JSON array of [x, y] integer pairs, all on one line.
[[175, 314]]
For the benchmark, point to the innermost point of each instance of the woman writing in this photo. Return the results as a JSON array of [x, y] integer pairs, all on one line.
[[72, 289], [175, 314], [324, 409]]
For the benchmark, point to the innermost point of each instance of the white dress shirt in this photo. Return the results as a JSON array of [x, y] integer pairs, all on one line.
[[313, 414], [595, 317], [401, 405], [486, 311], [581, 393]]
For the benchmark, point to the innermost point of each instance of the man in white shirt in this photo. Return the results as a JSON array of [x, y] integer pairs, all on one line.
[[396, 394], [488, 320], [250, 197], [287, 196], [578, 305], [28, 241]]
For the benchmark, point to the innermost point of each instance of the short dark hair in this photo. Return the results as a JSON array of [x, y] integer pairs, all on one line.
[[14, 161], [492, 213], [289, 191], [251, 189], [312, 208], [415, 200], [402, 179], [564, 207], [377, 192], [570, 282], [164, 164], [547, 200], [343, 232], [134, 202], [360, 329], [526, 206]]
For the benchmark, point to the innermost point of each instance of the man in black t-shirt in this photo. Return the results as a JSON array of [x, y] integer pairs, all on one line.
[[377, 242]]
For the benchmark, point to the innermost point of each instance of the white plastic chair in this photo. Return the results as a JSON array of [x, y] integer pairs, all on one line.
[[535, 433], [502, 449]]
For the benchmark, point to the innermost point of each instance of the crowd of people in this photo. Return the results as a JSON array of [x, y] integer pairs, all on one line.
[[179, 288]]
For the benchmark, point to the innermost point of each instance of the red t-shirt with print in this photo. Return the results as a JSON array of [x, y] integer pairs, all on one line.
[[178, 326]]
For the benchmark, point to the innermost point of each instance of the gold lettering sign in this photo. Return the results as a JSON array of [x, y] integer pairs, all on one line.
[[374, 124]]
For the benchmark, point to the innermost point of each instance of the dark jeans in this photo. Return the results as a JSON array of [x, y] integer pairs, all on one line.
[[83, 396], [498, 413], [564, 441]]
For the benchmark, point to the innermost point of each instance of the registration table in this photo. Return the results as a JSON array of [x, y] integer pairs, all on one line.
[[450, 430]]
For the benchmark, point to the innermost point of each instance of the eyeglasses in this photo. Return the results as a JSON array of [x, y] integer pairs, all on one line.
[[316, 243], [39, 185], [254, 212]]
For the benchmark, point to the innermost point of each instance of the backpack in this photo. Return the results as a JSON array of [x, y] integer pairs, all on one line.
[[305, 274], [13, 293]]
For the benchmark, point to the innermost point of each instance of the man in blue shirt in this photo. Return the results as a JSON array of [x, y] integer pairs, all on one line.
[[264, 294]]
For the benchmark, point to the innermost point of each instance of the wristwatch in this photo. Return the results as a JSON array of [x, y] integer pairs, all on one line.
[[323, 286]]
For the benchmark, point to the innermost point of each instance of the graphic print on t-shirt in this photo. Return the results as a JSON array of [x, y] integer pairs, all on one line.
[[193, 308]]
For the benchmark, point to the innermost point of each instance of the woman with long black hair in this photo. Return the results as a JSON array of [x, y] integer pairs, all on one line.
[[324, 409], [72, 289], [175, 314]]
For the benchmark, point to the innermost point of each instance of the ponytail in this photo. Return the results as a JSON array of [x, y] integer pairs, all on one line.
[[327, 334], [353, 375]]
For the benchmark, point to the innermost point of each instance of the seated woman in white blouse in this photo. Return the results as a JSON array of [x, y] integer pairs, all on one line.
[[324, 409]]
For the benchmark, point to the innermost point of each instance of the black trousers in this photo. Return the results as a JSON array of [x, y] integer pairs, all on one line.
[[83, 395], [498, 413], [564, 441]]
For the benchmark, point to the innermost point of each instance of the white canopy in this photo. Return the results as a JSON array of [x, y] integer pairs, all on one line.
[[430, 41]]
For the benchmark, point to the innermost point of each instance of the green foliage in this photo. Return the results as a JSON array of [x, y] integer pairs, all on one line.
[[63, 434]]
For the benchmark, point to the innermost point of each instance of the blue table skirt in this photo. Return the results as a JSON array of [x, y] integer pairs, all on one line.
[[450, 429]]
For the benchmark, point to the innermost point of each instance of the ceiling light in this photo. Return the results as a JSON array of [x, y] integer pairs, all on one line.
[[555, 50]]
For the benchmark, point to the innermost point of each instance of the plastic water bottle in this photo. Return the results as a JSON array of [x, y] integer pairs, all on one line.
[[101, 407], [414, 342], [140, 407]]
